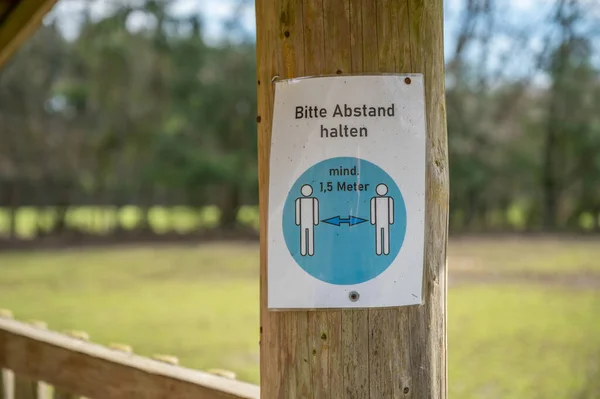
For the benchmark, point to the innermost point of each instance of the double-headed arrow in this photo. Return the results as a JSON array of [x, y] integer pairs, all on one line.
[[351, 221]]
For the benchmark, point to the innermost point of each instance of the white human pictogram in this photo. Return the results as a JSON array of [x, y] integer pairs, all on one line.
[[307, 217], [382, 216]]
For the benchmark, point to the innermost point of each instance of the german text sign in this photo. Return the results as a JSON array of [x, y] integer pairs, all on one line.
[[347, 192]]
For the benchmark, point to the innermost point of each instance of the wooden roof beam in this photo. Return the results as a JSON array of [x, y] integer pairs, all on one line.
[[22, 18]]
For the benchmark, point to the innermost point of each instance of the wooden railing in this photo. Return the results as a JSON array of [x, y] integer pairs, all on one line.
[[40, 364]]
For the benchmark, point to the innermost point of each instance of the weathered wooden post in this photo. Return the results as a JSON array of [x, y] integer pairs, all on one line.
[[391, 352]]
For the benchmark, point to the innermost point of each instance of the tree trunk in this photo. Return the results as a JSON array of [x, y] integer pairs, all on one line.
[[63, 203], [549, 181], [13, 210], [471, 211], [229, 207]]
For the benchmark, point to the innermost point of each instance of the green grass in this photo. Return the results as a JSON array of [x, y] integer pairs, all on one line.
[[183, 301], [200, 303], [522, 342]]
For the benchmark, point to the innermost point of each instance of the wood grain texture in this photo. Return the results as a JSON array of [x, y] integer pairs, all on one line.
[[20, 23], [375, 353], [86, 369]]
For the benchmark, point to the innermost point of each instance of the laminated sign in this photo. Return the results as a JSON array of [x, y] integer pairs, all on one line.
[[347, 192]]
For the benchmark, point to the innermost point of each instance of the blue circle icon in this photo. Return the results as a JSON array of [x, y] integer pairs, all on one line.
[[344, 220]]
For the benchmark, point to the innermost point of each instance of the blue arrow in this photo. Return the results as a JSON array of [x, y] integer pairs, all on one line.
[[351, 221]]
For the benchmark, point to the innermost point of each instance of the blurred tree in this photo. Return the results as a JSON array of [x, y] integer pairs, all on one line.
[[571, 136], [140, 109], [31, 132]]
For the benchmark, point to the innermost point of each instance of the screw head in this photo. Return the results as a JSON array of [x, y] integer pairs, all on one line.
[[353, 296], [407, 81]]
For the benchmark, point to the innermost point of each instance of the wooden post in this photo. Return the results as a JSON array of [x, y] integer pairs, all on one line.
[[374, 353]]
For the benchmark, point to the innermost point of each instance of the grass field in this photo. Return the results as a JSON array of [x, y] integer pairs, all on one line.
[[509, 339]]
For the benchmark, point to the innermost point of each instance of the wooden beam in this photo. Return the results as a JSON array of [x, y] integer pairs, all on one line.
[[4, 8], [365, 353], [19, 24], [95, 371]]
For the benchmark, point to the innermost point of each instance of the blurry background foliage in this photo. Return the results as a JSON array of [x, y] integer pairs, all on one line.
[[133, 118]]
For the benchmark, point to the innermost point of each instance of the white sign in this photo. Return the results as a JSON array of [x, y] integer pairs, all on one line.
[[347, 192]]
